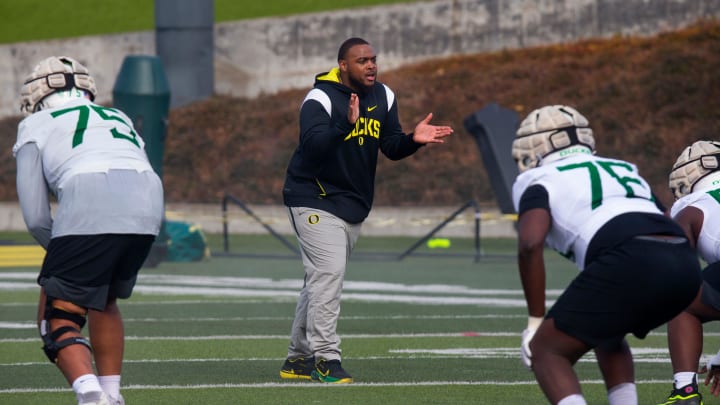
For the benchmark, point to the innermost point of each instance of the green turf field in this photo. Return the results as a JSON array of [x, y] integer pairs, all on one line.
[[434, 328]]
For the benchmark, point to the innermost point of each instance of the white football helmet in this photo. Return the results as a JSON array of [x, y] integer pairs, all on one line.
[[550, 133], [696, 164], [56, 74]]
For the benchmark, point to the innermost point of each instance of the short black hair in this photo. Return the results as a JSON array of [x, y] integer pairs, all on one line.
[[349, 43]]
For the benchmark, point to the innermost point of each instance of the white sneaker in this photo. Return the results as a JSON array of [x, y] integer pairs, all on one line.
[[93, 398]]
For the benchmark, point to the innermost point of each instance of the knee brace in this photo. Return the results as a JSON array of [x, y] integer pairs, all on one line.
[[51, 345]]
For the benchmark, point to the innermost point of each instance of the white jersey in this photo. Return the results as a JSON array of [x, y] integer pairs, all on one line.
[[584, 193], [92, 159], [708, 242], [82, 137]]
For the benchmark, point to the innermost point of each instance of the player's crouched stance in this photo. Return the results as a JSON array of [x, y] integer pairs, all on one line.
[[109, 210], [695, 182], [637, 268]]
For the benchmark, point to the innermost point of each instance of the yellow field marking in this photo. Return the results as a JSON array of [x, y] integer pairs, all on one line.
[[21, 256]]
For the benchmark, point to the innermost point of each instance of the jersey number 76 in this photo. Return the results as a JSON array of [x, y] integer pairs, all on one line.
[[596, 188]]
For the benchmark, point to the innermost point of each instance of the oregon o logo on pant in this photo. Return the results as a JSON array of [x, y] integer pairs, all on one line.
[[313, 219]]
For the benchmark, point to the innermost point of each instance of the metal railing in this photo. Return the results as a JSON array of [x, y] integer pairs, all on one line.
[[226, 244], [294, 249], [424, 239]]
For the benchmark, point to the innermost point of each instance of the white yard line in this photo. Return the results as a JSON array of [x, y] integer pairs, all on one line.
[[284, 337], [309, 385], [430, 294], [32, 324], [640, 355], [7, 280]]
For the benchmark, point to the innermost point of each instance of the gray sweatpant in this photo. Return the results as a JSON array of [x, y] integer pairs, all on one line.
[[326, 242]]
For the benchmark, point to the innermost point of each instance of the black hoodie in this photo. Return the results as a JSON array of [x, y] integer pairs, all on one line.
[[333, 167]]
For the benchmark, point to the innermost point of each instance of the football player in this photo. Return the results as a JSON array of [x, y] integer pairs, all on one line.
[[695, 183], [90, 159], [637, 268]]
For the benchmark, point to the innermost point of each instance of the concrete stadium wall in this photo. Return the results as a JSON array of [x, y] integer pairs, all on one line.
[[272, 54]]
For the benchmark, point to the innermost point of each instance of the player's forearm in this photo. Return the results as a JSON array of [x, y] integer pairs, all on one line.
[[532, 276]]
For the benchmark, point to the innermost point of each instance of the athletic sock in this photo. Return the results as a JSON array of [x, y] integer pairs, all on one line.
[[623, 394], [684, 378], [574, 399], [87, 388], [110, 384]]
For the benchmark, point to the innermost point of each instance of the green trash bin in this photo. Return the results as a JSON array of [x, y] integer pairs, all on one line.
[[142, 92]]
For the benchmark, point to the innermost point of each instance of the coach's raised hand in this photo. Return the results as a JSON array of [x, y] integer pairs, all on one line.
[[426, 133]]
